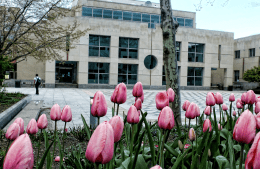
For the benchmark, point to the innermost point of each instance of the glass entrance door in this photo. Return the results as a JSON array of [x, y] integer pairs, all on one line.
[[66, 72]]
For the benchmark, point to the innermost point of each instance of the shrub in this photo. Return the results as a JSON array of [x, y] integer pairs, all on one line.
[[252, 75]]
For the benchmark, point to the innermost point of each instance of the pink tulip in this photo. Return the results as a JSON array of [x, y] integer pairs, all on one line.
[[219, 127], [257, 99], [244, 130], [232, 97], [166, 118], [132, 115], [192, 135], [253, 155], [239, 106], [257, 107], [243, 98], [13, 131], [66, 114], [55, 112], [118, 125], [191, 113], [170, 94], [224, 107], [257, 120], [21, 124], [119, 95], [156, 167], [138, 90], [100, 147], [207, 125], [240, 101], [207, 110], [20, 154], [99, 106], [250, 97], [197, 111], [57, 158], [186, 146], [161, 100], [42, 122], [138, 104], [185, 105], [234, 113], [32, 127], [156, 146], [142, 98], [218, 98], [66, 130], [210, 99]]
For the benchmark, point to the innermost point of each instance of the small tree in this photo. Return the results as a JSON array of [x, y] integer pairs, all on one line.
[[252, 75]]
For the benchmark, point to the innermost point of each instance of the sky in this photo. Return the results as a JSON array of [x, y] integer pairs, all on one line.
[[242, 17]]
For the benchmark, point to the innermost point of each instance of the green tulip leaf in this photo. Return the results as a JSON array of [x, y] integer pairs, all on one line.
[[222, 161], [237, 148], [231, 152], [180, 158], [86, 127], [171, 150]]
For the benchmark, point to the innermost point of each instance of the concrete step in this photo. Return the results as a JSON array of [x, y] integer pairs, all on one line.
[[66, 85]]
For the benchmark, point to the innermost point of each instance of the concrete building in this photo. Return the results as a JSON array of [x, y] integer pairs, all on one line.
[[125, 44]]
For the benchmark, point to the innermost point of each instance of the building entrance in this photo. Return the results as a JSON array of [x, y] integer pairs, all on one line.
[[66, 72]]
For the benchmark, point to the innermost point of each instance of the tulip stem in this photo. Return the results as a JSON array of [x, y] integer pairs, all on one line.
[[189, 125], [117, 109], [38, 147], [241, 156], [114, 108], [64, 136], [220, 109], [54, 138], [7, 146], [162, 147], [131, 144], [98, 120], [185, 121], [196, 121]]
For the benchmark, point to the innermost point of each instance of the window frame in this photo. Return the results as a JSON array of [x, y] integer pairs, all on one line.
[[237, 54], [127, 74], [195, 75], [128, 48], [195, 53], [252, 51], [236, 71], [99, 46], [98, 72], [178, 51]]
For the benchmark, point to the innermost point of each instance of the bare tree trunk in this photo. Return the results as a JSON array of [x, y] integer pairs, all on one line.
[[169, 28]]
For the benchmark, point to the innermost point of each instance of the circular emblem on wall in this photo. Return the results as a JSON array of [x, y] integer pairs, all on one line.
[[150, 61]]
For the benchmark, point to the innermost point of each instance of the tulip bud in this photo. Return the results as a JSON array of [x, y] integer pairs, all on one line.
[[257, 107], [197, 111], [243, 98], [207, 110], [32, 127], [186, 146], [250, 97], [180, 145], [239, 105], [209, 152], [156, 167], [118, 125], [253, 156], [257, 99], [257, 120], [191, 113], [138, 90], [20, 122], [13, 131], [218, 98], [138, 104], [166, 118], [210, 99], [219, 127], [234, 113], [119, 95], [57, 158], [132, 115], [240, 101], [245, 127], [66, 114], [224, 107], [185, 105], [170, 94], [192, 135], [142, 98], [161, 100], [42, 122], [207, 125], [55, 112], [99, 106], [232, 97]]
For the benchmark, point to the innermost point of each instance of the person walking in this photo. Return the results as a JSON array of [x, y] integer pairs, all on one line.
[[37, 82]]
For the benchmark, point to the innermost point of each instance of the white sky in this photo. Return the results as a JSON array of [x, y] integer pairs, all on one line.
[[239, 16]]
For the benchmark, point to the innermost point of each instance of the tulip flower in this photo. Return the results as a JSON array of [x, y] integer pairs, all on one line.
[[185, 105], [224, 107], [42, 122], [257, 107], [250, 97], [21, 124], [218, 98], [57, 158], [257, 119], [20, 154], [207, 110], [180, 145], [232, 97], [192, 135], [161, 100], [32, 127], [257, 99], [210, 99], [219, 127], [253, 155], [191, 113], [234, 113], [197, 111], [240, 101], [243, 98], [100, 147], [138, 90], [156, 167], [166, 118], [66, 114], [55, 112], [207, 125], [13, 131], [239, 105], [138, 104], [170, 94], [99, 106], [119, 95], [186, 146], [245, 127], [142, 98], [118, 125], [132, 115]]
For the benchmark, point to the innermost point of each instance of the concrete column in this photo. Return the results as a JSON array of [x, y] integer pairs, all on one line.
[[50, 74]]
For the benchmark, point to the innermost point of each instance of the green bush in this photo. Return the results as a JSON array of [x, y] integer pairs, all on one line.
[[252, 75]]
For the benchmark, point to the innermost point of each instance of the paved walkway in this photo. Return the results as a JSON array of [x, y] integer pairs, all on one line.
[[79, 101]]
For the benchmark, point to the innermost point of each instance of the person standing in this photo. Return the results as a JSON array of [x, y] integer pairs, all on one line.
[[37, 82]]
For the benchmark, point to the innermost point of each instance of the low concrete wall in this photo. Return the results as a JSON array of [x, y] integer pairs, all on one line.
[[249, 85]]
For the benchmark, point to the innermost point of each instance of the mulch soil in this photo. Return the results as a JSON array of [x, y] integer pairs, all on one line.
[[11, 99]]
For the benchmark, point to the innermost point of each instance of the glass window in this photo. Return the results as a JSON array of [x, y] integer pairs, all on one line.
[[195, 52], [128, 48], [107, 13], [98, 73], [99, 45], [236, 75], [189, 23], [150, 62], [194, 76], [178, 48], [237, 54], [86, 11], [127, 16], [145, 18], [252, 52], [117, 15], [127, 73], [155, 19], [136, 17], [180, 21], [97, 13]]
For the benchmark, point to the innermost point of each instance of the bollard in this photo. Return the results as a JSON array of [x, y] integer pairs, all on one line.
[[93, 120]]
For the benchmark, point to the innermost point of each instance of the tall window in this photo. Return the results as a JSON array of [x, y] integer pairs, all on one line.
[[252, 52], [128, 48], [99, 45], [98, 73], [195, 76], [127, 73], [164, 77], [236, 75], [237, 54], [195, 52], [178, 48]]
